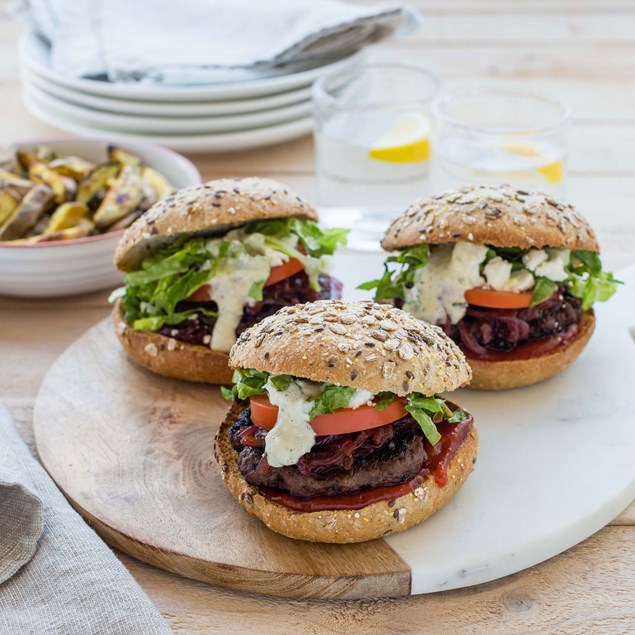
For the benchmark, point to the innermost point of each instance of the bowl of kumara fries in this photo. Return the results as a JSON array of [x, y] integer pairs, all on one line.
[[64, 204]]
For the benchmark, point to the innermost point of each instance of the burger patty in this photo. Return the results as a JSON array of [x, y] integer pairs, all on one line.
[[292, 290], [505, 329], [337, 464]]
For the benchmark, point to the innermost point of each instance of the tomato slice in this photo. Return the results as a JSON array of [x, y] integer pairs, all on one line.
[[265, 415], [202, 294], [281, 272], [498, 299], [286, 270]]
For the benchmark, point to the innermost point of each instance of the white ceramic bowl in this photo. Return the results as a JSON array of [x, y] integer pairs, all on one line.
[[70, 267]]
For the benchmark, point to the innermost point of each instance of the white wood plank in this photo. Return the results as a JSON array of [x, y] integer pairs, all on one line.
[[572, 29]]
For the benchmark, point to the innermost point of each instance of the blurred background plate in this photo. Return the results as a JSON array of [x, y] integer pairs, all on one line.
[[148, 124], [165, 108], [35, 55], [224, 141]]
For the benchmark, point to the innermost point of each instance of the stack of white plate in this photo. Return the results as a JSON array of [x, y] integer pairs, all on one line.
[[209, 118]]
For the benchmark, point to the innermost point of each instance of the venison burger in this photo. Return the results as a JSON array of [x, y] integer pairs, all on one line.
[[510, 276], [337, 432], [210, 261]]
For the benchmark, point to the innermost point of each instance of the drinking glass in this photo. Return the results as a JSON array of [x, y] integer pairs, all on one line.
[[494, 136], [372, 144]]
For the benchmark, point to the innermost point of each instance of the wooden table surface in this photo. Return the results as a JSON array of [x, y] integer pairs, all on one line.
[[582, 50]]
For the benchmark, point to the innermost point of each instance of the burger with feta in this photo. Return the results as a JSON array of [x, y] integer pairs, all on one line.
[[338, 432], [210, 261], [511, 276]]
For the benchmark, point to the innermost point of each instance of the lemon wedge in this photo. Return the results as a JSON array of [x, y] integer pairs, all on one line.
[[407, 141], [553, 172]]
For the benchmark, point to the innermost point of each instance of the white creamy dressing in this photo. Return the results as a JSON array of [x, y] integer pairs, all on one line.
[[235, 276], [230, 288], [439, 287], [292, 436]]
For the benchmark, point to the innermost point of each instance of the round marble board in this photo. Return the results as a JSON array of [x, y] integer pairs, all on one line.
[[133, 453]]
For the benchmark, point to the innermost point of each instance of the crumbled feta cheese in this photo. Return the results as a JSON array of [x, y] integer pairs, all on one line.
[[534, 257], [554, 268], [519, 281], [497, 272], [548, 263], [359, 398], [151, 349]]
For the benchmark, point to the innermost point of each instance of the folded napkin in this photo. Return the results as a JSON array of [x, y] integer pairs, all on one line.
[[205, 41], [56, 575]]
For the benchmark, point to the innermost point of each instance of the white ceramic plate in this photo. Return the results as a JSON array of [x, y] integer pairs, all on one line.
[[35, 54], [166, 125], [77, 266], [166, 108], [225, 141]]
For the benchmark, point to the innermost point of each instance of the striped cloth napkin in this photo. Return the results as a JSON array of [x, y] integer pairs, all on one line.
[[56, 575]]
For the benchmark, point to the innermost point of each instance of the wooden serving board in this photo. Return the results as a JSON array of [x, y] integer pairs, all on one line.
[[133, 452]]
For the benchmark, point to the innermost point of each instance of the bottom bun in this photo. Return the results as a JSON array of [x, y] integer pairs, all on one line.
[[169, 357], [343, 526], [500, 375]]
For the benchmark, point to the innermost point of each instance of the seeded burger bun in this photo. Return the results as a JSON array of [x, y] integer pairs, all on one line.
[[209, 209], [502, 216], [363, 345]]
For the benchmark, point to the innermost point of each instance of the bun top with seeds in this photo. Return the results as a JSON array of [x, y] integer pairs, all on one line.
[[502, 216], [209, 209], [364, 345]]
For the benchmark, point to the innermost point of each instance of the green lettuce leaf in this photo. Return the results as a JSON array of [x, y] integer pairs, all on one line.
[[543, 289], [384, 399], [163, 281], [255, 292], [318, 242], [247, 383], [332, 398], [281, 382], [423, 409], [424, 420], [154, 323], [392, 283], [588, 281], [457, 416]]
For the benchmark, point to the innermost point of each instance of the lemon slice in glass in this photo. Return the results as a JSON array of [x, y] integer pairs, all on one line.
[[407, 141], [553, 171]]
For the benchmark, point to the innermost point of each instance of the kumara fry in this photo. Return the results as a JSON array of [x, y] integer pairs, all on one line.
[[64, 188], [96, 181], [123, 197], [9, 201], [73, 167], [67, 215], [45, 196], [32, 206]]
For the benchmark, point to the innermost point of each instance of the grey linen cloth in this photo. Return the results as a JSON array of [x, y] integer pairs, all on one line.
[[56, 575], [203, 41]]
